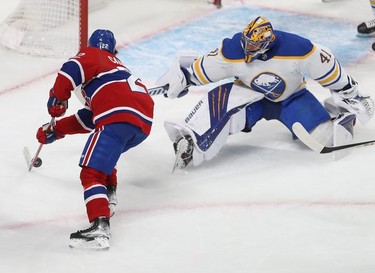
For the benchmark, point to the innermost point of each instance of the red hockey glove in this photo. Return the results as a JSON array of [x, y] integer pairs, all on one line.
[[55, 107], [47, 135]]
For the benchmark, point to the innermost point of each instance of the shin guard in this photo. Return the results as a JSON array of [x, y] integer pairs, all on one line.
[[95, 193]]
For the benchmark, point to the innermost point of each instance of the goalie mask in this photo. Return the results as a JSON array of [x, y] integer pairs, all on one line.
[[103, 39], [257, 38]]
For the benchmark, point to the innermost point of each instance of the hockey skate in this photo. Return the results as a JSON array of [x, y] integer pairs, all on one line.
[[184, 152], [366, 29], [112, 198], [95, 237]]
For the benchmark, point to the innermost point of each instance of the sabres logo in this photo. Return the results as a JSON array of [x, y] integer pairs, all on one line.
[[271, 85]]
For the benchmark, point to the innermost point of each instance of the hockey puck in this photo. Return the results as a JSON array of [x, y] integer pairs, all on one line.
[[373, 46], [38, 162]]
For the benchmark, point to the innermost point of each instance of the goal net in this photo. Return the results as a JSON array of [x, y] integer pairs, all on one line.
[[53, 28]]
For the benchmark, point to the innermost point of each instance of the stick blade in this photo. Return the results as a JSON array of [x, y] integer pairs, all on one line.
[[160, 90], [27, 156], [306, 138]]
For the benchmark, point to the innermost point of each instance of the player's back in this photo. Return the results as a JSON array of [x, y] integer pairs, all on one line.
[[110, 90]]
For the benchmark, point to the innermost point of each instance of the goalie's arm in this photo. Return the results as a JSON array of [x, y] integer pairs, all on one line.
[[194, 70], [322, 66]]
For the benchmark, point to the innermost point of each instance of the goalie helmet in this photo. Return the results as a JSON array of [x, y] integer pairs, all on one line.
[[257, 38], [103, 39]]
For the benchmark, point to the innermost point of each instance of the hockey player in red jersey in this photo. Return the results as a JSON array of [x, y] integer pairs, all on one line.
[[119, 113]]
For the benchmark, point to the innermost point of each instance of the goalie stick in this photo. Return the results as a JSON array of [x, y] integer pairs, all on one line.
[[314, 145], [160, 90]]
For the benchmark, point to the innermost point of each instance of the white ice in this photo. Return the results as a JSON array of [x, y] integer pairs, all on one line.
[[266, 204]]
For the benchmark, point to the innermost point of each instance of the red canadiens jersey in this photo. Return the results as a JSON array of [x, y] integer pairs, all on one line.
[[111, 92]]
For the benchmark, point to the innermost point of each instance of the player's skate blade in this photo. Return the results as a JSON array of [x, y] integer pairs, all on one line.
[[95, 237], [98, 244]]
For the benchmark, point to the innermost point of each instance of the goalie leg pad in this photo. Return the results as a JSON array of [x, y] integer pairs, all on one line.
[[343, 123], [343, 132], [332, 108], [218, 114], [323, 133], [337, 132], [347, 121]]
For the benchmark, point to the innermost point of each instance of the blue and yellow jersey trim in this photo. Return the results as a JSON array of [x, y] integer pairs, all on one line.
[[199, 73], [332, 76], [287, 46]]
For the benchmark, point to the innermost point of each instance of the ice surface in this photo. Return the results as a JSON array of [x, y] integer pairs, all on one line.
[[266, 204]]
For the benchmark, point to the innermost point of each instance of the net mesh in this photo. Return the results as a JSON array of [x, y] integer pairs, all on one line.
[[45, 27]]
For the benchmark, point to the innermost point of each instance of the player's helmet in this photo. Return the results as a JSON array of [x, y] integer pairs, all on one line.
[[257, 38], [103, 39]]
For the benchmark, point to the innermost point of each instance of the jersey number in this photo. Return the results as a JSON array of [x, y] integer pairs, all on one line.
[[325, 56]]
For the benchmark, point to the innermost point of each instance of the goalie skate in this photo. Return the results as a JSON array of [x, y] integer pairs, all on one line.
[[184, 152], [95, 237]]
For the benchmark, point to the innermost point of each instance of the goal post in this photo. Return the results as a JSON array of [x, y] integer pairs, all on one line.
[[52, 28], [83, 23]]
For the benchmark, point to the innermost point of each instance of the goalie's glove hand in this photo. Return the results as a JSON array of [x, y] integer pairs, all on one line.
[[354, 102], [55, 107], [46, 134], [178, 79]]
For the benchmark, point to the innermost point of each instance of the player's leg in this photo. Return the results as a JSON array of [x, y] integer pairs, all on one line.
[[98, 160]]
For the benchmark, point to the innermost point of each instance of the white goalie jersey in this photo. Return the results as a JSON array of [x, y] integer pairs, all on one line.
[[278, 73]]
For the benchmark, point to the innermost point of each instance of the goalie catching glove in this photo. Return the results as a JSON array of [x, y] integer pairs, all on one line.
[[350, 99], [178, 77], [46, 134]]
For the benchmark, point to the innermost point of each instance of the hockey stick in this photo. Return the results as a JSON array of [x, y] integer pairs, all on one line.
[[314, 145], [35, 161], [160, 90]]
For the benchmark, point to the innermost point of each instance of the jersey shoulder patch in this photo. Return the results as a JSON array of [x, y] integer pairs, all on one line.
[[231, 48], [292, 45]]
